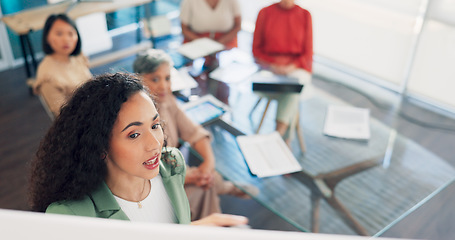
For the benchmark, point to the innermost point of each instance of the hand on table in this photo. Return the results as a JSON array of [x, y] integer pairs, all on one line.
[[283, 69], [221, 220]]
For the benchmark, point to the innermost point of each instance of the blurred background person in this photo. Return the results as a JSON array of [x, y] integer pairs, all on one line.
[[64, 67], [217, 19], [283, 44]]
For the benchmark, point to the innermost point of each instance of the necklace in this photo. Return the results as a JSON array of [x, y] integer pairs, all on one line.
[[139, 204]]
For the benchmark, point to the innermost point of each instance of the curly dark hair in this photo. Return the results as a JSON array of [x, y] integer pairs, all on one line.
[[69, 162]]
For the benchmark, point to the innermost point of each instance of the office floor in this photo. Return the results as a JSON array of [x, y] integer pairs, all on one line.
[[23, 122]]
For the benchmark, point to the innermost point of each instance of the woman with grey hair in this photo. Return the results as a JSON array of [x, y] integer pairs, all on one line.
[[149, 61], [202, 183]]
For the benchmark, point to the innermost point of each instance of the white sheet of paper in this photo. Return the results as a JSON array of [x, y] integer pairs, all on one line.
[[200, 48], [267, 155], [181, 79], [347, 122], [234, 72]]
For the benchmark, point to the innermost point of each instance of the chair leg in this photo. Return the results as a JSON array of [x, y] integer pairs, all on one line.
[[46, 107], [263, 115], [300, 134], [255, 106]]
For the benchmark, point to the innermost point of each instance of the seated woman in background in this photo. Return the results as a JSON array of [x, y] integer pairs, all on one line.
[[219, 20], [283, 44], [202, 183], [105, 156], [64, 67], [216, 19]]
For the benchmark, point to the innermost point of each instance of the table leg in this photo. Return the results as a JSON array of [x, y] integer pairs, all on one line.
[[345, 214], [323, 186], [32, 53], [315, 207], [24, 53]]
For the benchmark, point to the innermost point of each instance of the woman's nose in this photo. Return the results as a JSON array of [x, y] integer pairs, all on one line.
[[153, 141], [162, 84], [67, 38]]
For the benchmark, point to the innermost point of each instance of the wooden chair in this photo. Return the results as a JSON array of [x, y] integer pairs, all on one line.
[[297, 125], [46, 107]]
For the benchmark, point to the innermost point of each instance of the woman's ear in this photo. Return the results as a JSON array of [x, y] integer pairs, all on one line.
[[104, 156]]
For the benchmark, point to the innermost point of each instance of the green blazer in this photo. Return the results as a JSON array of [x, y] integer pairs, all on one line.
[[102, 204]]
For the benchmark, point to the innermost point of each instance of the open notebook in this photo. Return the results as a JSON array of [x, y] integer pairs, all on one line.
[[267, 155]]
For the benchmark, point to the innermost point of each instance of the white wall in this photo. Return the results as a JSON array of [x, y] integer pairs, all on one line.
[[370, 36], [433, 72], [375, 38]]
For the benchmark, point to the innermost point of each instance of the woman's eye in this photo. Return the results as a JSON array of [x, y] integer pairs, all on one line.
[[156, 126], [168, 78], [134, 135], [155, 80]]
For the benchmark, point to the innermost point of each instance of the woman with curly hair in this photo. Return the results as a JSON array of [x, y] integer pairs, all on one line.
[[105, 156]]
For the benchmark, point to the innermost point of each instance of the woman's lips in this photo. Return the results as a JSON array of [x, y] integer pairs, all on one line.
[[152, 163]]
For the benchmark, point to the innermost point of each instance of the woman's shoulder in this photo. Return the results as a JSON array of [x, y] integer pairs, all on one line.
[[81, 207], [302, 10], [81, 59], [271, 7], [172, 155], [185, 4], [168, 102], [233, 2], [46, 64], [172, 162], [43, 73]]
